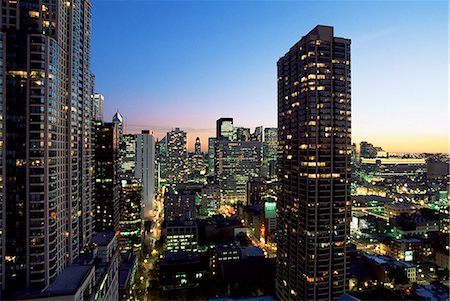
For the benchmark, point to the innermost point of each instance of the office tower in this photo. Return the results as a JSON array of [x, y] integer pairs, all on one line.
[[177, 156], [196, 164], [211, 155], [128, 154], [99, 104], [258, 134], [161, 159], [46, 139], [107, 187], [179, 204], [198, 147], [243, 134], [130, 223], [270, 153], [314, 168], [236, 163], [256, 190], [117, 120], [145, 169], [225, 129]]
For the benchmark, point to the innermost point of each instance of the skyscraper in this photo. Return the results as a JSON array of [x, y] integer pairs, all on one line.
[[130, 223], [47, 154], [161, 159], [211, 155], [107, 186], [99, 104], [118, 122], [236, 163], [145, 168], [197, 165], [198, 146], [225, 129], [177, 156], [314, 167], [270, 153], [128, 155]]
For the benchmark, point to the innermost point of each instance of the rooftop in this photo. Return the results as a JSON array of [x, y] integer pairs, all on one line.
[[69, 281], [103, 238]]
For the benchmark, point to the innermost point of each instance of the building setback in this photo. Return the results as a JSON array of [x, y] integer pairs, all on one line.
[[314, 167], [46, 183]]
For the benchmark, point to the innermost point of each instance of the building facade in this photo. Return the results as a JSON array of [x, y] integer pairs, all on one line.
[[236, 163], [225, 129], [107, 186], [46, 194], [130, 224], [177, 156], [161, 160], [145, 169], [128, 154], [314, 168], [211, 155], [270, 153]]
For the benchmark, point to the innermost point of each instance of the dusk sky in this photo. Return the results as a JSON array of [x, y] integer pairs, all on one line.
[[167, 64]]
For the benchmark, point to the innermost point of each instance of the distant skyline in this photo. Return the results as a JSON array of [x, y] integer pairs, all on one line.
[[167, 64]]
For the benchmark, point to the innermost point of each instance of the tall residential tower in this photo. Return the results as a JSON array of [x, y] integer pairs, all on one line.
[[46, 189], [145, 169], [314, 167]]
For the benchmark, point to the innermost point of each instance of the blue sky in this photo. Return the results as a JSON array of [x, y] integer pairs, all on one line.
[[184, 64]]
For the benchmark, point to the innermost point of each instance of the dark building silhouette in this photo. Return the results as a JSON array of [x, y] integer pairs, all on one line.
[[314, 167], [107, 188]]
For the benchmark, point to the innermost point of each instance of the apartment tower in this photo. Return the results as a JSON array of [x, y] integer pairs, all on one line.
[[314, 170], [145, 169], [46, 153]]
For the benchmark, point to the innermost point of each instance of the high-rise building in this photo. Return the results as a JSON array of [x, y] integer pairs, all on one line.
[[258, 134], [46, 183], [270, 153], [130, 215], [314, 207], [197, 164], [145, 169], [118, 121], [99, 104], [198, 146], [107, 187], [225, 129], [128, 154], [243, 134], [236, 163], [211, 155], [177, 156], [161, 159], [179, 204]]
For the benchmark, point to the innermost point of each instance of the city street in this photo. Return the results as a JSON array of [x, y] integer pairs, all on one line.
[[147, 265]]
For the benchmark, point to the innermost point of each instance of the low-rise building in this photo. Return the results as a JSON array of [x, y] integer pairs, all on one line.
[[181, 236], [396, 209], [93, 277]]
